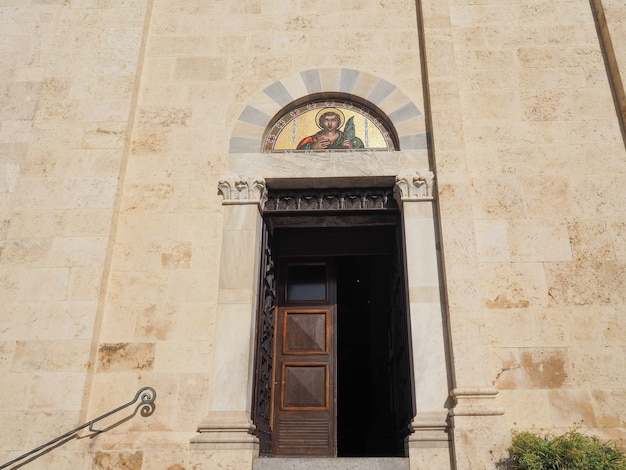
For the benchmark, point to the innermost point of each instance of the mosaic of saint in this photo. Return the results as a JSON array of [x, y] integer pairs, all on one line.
[[328, 126]]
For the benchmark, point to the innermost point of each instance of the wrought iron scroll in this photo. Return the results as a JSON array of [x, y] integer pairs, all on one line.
[[351, 199], [147, 395], [265, 347]]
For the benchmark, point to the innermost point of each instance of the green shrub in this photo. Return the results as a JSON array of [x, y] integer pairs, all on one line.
[[571, 451]]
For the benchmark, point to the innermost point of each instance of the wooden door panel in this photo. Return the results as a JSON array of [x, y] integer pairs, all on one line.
[[306, 332], [293, 431], [305, 386]]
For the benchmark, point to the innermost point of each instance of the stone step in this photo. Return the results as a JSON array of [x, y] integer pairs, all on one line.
[[318, 463]]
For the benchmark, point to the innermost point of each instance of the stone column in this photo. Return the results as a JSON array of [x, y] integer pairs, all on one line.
[[429, 445], [228, 424]]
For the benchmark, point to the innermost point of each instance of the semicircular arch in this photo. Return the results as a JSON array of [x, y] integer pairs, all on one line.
[[406, 117]]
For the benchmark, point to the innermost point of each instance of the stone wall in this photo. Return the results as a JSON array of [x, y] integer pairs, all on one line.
[[67, 78], [530, 178], [205, 62], [115, 123]]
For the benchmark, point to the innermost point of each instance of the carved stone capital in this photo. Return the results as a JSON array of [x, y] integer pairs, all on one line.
[[418, 186], [239, 190]]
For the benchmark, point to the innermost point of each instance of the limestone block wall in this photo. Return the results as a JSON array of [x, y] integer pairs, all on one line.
[[115, 123], [67, 76], [206, 61], [531, 174]]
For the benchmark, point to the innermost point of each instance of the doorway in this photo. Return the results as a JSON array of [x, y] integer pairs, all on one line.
[[340, 370], [365, 411]]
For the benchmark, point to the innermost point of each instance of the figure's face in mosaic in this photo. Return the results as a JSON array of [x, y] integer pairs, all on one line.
[[329, 122]]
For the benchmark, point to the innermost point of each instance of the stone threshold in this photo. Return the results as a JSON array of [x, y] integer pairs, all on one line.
[[323, 463]]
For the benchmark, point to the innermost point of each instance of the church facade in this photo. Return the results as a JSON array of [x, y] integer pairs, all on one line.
[[388, 229]]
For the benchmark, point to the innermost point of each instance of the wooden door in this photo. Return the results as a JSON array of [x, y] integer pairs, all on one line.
[[304, 394], [400, 348]]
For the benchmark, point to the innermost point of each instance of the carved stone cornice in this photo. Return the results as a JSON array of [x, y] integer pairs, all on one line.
[[239, 190], [418, 186], [324, 199], [430, 429], [476, 401]]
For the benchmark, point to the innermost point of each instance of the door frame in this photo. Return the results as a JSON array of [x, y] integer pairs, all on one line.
[[376, 211]]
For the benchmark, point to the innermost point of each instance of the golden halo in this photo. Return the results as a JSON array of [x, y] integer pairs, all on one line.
[[322, 111]]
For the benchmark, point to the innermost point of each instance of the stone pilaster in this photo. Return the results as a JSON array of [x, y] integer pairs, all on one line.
[[429, 444], [228, 424]]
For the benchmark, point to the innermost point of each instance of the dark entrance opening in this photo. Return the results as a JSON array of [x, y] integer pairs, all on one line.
[[332, 370], [366, 422]]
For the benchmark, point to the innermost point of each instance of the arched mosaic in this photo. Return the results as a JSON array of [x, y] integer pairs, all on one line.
[[321, 125], [402, 113]]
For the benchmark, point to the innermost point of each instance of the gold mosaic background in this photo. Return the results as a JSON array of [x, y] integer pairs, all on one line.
[[301, 122]]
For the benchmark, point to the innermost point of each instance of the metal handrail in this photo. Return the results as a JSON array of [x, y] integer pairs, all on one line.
[[148, 395]]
